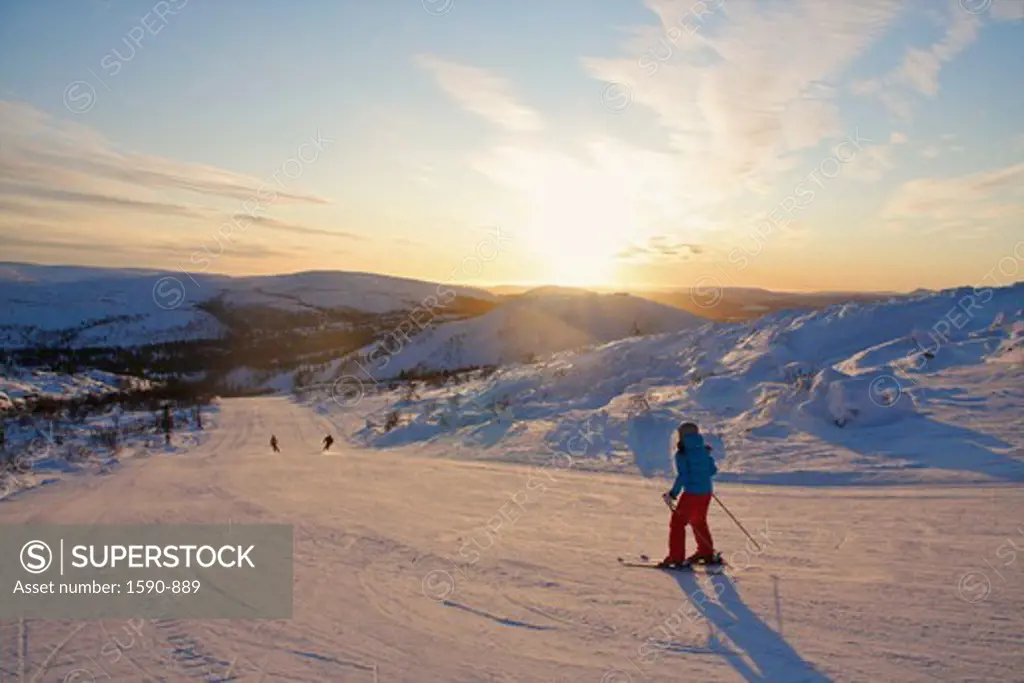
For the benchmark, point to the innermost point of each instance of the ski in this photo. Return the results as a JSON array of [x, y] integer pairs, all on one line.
[[644, 562]]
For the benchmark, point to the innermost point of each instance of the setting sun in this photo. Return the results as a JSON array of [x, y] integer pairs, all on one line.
[[578, 226], [575, 250]]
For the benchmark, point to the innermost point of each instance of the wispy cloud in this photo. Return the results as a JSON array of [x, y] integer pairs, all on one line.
[[43, 241], [1007, 10], [55, 174], [42, 148], [660, 248], [974, 201], [483, 93], [919, 70], [46, 203], [103, 201], [750, 89], [286, 226]]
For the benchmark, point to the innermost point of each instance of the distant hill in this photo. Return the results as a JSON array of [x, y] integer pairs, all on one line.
[[532, 325], [78, 307], [209, 328], [728, 304], [734, 304]]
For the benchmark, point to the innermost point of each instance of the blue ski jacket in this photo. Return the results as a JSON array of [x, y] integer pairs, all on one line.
[[694, 467]]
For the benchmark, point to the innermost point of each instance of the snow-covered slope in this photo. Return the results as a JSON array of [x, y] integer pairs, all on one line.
[[916, 388], [418, 566], [78, 307], [532, 326], [43, 444], [20, 383], [413, 570]]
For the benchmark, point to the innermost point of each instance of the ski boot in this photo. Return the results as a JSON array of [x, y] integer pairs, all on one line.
[[713, 559]]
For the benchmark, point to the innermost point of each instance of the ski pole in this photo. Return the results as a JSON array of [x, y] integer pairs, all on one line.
[[737, 522]]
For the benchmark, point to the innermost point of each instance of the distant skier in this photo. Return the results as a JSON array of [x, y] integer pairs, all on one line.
[[167, 424], [328, 440], [273, 443], [694, 469]]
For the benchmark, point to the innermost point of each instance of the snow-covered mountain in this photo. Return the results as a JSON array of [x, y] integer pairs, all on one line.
[[45, 274], [359, 292], [78, 307], [530, 326]]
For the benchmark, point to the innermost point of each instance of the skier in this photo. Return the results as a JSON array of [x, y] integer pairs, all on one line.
[[273, 443], [694, 467], [168, 424], [328, 440]]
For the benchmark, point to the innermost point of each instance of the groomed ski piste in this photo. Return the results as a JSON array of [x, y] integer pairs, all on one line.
[[873, 451]]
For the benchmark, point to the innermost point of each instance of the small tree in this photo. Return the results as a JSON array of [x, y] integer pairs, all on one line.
[[409, 394], [638, 403]]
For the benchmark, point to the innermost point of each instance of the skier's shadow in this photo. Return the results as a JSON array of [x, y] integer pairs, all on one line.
[[755, 650]]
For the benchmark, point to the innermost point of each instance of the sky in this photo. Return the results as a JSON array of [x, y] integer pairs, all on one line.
[[786, 144]]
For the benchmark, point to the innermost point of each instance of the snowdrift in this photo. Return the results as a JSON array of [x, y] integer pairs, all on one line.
[[871, 399]]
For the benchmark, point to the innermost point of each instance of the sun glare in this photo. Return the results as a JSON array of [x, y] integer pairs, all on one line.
[[577, 231]]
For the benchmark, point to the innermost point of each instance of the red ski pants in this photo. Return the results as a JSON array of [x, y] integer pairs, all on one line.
[[691, 509]]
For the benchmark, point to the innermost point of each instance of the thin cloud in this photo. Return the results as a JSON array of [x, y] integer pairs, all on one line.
[[46, 203], [479, 91], [50, 151], [1007, 10], [660, 248], [166, 253], [962, 202], [107, 201], [159, 173], [748, 89], [920, 68], [285, 226], [63, 175]]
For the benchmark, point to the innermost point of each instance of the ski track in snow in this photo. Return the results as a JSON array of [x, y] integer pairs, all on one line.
[[853, 584]]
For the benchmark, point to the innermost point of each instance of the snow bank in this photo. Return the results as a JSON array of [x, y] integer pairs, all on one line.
[[650, 441], [867, 400], [1011, 349]]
